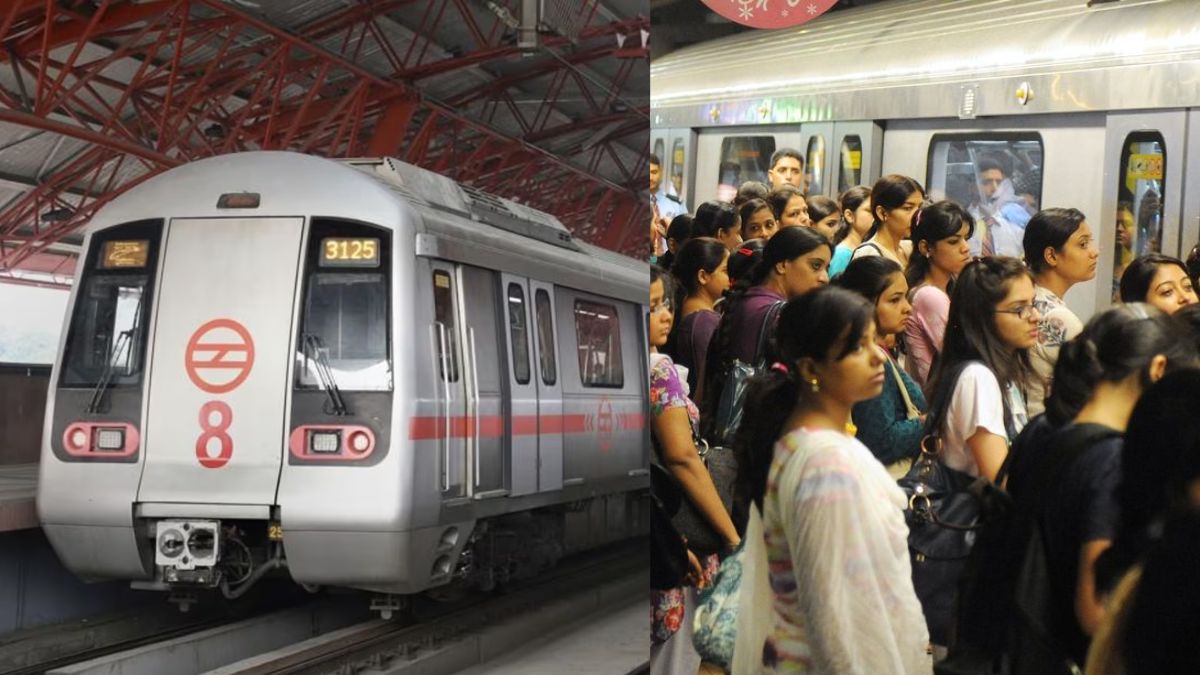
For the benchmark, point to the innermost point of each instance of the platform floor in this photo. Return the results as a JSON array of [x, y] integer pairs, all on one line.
[[18, 486], [615, 642]]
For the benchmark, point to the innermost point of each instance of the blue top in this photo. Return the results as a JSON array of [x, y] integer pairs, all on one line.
[[841, 259], [883, 424]]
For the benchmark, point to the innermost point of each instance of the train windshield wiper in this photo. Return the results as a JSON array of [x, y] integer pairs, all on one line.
[[325, 372], [124, 341]]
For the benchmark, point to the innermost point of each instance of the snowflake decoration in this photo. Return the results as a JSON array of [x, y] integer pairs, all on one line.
[[745, 9], [812, 10]]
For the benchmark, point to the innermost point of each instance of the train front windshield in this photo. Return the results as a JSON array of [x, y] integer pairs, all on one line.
[[344, 326], [107, 335]]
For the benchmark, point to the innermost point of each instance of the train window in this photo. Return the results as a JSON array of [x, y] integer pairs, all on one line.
[[743, 158], [814, 166], [997, 177], [598, 331], [107, 335], [1139, 200], [851, 164], [659, 149], [443, 315], [678, 157], [545, 330], [518, 333], [344, 332]]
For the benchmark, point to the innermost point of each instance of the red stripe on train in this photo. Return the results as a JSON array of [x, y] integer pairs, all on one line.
[[492, 426]]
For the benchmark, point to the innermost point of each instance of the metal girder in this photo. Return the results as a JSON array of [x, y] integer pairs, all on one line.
[[211, 78]]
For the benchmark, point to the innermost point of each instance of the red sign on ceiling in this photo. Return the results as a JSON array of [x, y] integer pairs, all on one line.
[[770, 13]]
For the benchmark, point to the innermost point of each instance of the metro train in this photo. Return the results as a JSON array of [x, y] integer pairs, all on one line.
[[1089, 104], [357, 371]]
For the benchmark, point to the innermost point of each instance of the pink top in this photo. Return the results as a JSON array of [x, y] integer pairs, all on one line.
[[924, 330]]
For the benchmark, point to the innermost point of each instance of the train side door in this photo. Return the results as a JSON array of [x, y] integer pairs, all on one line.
[[550, 397], [818, 164], [857, 153], [481, 341], [221, 348], [451, 382], [522, 386], [1145, 157]]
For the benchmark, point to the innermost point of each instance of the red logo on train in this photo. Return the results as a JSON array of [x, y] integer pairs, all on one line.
[[606, 422], [218, 359], [219, 356]]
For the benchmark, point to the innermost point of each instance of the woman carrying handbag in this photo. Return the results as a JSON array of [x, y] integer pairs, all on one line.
[[674, 422]]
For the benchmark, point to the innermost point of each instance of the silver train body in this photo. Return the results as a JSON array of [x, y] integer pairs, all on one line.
[[359, 371], [891, 87]]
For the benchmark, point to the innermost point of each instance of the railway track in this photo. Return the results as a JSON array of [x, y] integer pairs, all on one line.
[[425, 630]]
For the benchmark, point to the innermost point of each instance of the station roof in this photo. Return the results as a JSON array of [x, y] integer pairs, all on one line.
[[98, 95]]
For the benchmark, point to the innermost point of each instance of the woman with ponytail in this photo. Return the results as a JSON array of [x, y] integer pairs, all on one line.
[[835, 536], [702, 270], [890, 424], [794, 262], [894, 200], [940, 235], [1069, 480]]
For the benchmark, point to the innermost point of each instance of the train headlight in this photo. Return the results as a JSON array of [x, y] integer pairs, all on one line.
[[110, 439], [79, 439], [359, 441], [170, 543], [324, 441]]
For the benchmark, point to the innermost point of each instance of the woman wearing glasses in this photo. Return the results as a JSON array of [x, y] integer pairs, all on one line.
[[977, 405], [674, 419], [978, 384]]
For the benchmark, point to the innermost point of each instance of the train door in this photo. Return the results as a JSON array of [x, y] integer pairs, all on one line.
[[681, 166], [522, 387], [451, 381], [550, 396], [856, 155], [816, 138], [222, 342], [1145, 157], [481, 347]]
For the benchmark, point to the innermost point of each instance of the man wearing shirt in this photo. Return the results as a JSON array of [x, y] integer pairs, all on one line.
[[664, 206]]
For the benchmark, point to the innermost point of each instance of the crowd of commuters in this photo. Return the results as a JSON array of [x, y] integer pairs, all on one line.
[[882, 329]]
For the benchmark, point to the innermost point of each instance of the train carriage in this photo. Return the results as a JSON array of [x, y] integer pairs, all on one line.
[[360, 371], [1093, 105]]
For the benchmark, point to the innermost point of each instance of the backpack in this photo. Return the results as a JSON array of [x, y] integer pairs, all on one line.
[[1005, 600], [728, 414]]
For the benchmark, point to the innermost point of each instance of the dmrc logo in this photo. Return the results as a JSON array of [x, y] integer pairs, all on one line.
[[218, 359]]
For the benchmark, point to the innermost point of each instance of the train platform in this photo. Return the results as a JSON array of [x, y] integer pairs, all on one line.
[[612, 642], [18, 487]]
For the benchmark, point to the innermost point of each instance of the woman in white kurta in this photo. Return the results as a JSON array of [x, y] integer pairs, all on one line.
[[833, 523]]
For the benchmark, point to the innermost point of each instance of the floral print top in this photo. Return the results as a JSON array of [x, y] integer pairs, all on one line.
[[1057, 326]]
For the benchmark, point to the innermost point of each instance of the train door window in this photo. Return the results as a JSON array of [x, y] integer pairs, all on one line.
[[997, 177], [659, 148], [545, 331], [345, 321], [1139, 199], [107, 335], [678, 156], [851, 163], [518, 333], [598, 332], [814, 166], [743, 158], [443, 316]]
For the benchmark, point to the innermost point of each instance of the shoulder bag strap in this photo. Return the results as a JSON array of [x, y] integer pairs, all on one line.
[[912, 410], [764, 332]]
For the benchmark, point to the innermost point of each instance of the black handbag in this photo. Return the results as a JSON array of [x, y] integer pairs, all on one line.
[[689, 521], [668, 555], [945, 511]]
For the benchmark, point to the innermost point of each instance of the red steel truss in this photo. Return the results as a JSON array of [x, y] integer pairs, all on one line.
[[211, 78]]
